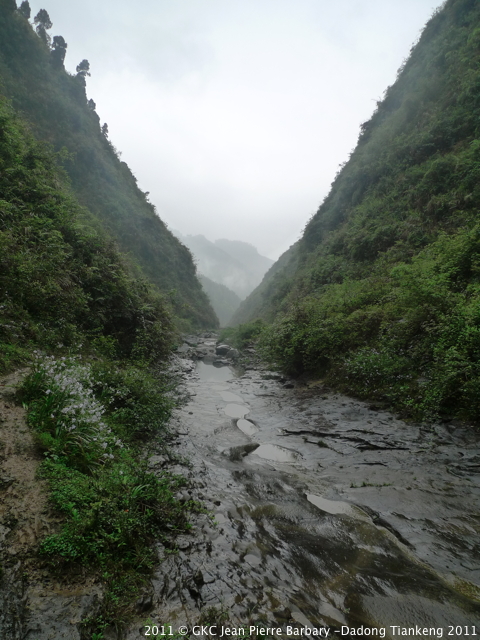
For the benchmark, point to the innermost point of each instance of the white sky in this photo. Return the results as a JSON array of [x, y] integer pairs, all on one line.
[[235, 114]]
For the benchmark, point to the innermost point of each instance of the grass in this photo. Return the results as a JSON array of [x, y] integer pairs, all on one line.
[[370, 484], [91, 422]]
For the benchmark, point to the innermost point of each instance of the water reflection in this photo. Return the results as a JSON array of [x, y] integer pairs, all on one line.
[[208, 372], [330, 506], [236, 410], [275, 453], [247, 427], [337, 507]]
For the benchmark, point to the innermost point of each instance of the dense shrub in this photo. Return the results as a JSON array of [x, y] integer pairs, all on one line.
[[411, 337], [87, 419], [242, 335], [61, 279]]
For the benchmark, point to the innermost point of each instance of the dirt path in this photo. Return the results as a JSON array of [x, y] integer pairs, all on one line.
[[22, 495], [33, 604]]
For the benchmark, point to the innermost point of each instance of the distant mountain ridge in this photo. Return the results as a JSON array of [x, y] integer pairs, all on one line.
[[232, 263]]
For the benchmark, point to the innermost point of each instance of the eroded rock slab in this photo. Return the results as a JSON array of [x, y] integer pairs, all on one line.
[[370, 520]]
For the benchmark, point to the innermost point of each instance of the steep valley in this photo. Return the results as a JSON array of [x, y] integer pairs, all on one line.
[[319, 470]]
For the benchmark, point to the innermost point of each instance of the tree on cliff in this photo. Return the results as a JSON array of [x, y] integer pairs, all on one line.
[[83, 69], [25, 10], [59, 51], [43, 22]]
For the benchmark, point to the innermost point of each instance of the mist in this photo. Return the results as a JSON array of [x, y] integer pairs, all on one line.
[[235, 116]]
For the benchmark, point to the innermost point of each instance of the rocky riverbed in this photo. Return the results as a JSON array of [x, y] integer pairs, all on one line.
[[320, 512], [326, 511]]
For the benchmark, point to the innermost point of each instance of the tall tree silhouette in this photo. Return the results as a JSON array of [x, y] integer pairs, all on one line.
[[25, 10], [59, 50], [83, 69], [43, 22]]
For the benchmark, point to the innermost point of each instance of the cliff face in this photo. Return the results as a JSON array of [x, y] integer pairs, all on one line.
[[56, 106], [382, 291]]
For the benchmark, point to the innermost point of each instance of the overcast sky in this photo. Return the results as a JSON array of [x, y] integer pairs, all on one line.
[[235, 114]]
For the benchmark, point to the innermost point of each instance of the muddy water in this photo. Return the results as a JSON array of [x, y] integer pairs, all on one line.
[[326, 512]]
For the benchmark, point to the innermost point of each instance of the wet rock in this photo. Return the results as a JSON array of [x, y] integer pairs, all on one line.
[[183, 543], [237, 453], [222, 349], [252, 560], [6, 481], [272, 376], [144, 604], [198, 578], [208, 578], [221, 362], [157, 461]]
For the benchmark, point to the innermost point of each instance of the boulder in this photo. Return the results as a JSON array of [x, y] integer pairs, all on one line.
[[222, 349], [183, 348]]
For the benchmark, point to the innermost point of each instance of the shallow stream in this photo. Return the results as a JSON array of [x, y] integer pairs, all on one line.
[[326, 512]]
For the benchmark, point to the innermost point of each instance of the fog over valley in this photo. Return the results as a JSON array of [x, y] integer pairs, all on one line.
[[239, 319], [235, 116]]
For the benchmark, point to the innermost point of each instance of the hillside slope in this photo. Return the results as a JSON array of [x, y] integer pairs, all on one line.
[[253, 262], [63, 281], [55, 104], [266, 300], [224, 301], [382, 293]]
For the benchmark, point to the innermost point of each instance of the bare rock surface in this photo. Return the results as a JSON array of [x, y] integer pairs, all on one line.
[[349, 517], [319, 510]]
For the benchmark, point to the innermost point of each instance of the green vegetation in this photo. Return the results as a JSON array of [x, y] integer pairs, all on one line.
[[61, 280], [224, 301], [381, 295], [243, 335], [54, 102], [89, 421], [66, 200]]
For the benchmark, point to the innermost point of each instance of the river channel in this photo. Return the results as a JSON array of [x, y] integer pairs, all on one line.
[[327, 512]]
